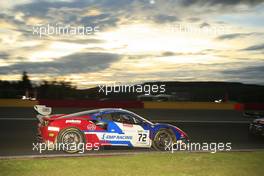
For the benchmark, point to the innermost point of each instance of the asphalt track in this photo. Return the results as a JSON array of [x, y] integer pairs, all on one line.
[[18, 128]]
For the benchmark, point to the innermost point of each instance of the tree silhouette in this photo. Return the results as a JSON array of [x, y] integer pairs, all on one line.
[[25, 82]]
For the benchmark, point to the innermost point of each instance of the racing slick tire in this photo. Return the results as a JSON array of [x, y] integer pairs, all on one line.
[[163, 140], [71, 138]]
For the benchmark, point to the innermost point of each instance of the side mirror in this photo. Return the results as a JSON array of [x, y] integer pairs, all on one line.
[[101, 124]]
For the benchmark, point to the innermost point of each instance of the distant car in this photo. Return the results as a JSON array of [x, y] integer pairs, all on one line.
[[106, 127], [257, 127]]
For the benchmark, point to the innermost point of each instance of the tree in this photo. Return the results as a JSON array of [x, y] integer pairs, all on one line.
[[25, 82]]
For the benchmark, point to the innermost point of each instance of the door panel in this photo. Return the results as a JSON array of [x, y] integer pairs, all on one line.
[[138, 136]]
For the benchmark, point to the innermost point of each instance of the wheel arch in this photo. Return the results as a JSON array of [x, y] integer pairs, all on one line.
[[168, 128]]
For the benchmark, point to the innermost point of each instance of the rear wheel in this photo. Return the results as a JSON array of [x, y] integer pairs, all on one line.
[[70, 140], [163, 140]]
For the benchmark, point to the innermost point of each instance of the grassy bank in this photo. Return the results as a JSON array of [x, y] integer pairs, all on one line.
[[220, 164]]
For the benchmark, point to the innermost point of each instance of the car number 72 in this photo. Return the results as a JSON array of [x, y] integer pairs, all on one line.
[[142, 137]]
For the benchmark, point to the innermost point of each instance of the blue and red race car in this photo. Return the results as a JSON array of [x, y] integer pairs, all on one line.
[[105, 127]]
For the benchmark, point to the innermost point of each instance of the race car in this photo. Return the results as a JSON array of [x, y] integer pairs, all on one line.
[[256, 127], [105, 127]]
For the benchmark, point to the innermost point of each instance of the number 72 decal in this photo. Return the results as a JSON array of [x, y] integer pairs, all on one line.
[[142, 137]]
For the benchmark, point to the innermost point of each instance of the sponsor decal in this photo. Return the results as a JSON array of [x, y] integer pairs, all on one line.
[[51, 128], [73, 121], [91, 126], [116, 137]]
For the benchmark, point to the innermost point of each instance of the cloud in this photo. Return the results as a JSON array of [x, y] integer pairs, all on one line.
[[252, 70], [237, 35], [204, 24], [113, 12], [169, 53], [161, 18], [250, 74], [98, 51], [83, 41], [193, 19], [73, 12], [76, 63], [3, 55], [192, 72], [219, 2], [40, 8], [102, 20], [255, 48], [10, 19]]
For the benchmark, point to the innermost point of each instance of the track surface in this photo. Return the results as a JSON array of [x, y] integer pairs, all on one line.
[[17, 135]]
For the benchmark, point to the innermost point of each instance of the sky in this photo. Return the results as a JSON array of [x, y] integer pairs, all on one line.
[[133, 41]]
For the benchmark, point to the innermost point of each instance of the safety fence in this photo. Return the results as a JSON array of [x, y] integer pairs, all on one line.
[[133, 104]]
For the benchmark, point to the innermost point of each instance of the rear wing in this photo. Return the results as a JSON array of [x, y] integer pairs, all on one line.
[[43, 110]]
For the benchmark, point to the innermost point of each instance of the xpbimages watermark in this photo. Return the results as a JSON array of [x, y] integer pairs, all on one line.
[[211, 147], [62, 29], [80, 147], [198, 29], [146, 89]]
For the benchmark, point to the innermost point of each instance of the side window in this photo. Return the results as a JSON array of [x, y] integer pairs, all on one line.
[[127, 119], [105, 117], [117, 117], [133, 118], [123, 118]]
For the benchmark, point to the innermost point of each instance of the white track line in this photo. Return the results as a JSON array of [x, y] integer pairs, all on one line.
[[74, 155], [202, 121]]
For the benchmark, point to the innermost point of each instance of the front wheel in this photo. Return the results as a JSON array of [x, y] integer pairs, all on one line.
[[163, 140], [70, 139]]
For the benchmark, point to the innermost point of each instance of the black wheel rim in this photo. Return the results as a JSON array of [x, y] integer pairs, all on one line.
[[71, 139], [163, 140]]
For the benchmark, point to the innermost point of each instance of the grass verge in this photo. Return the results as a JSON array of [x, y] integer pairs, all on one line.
[[218, 164]]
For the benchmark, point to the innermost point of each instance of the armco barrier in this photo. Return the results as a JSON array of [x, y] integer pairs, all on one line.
[[239, 106], [92, 104], [133, 104], [189, 105], [17, 103], [254, 106]]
